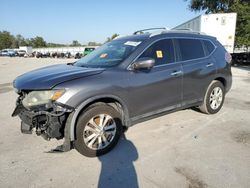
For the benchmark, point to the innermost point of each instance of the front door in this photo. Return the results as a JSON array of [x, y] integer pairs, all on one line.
[[160, 88]]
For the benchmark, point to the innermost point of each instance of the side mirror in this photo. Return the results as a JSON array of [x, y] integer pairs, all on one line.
[[143, 63]]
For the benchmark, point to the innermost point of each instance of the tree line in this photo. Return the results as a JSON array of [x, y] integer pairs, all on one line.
[[7, 40]]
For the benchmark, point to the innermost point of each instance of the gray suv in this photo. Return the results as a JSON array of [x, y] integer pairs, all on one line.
[[91, 102]]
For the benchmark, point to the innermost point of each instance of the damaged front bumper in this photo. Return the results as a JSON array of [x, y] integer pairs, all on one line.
[[47, 120]]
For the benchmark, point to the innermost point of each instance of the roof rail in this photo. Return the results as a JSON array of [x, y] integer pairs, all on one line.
[[149, 29], [183, 29], [167, 30], [186, 30]]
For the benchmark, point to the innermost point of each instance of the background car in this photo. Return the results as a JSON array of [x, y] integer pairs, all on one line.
[[10, 53], [78, 55], [21, 53], [88, 51]]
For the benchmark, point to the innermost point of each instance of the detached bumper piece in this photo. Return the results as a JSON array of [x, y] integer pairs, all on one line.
[[47, 122], [25, 128]]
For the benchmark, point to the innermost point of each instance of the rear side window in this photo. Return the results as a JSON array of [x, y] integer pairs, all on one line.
[[209, 46], [190, 49], [162, 51]]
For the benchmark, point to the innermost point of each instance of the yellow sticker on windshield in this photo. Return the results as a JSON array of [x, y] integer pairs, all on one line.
[[159, 54], [103, 55]]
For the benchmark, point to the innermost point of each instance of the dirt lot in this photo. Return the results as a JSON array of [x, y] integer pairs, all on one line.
[[182, 149]]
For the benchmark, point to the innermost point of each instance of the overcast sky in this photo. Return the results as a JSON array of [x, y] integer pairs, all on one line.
[[62, 21]]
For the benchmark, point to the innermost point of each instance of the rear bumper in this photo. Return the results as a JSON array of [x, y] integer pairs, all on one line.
[[229, 83]]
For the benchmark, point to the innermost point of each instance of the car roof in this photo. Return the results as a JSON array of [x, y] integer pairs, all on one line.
[[134, 37], [171, 33]]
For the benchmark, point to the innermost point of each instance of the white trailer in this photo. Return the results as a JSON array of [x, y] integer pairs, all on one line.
[[222, 26], [28, 49]]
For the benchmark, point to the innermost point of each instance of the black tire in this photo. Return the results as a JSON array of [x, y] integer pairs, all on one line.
[[206, 106], [82, 122]]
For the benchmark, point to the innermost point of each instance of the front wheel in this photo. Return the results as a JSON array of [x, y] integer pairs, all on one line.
[[98, 130], [214, 98]]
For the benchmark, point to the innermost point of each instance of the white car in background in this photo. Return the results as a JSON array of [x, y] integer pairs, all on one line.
[[21, 53]]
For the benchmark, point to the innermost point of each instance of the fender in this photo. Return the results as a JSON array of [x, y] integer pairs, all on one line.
[[88, 101]]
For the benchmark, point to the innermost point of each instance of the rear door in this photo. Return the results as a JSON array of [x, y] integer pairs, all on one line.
[[158, 89], [198, 68]]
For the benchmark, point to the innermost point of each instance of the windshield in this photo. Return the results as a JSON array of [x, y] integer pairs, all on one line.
[[109, 55]]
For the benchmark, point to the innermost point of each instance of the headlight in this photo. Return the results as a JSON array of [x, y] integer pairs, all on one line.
[[35, 98]]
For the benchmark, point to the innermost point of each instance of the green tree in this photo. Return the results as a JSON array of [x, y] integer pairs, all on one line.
[[6, 40], [37, 42], [210, 6], [241, 7], [75, 43], [94, 44], [243, 23], [55, 45], [21, 41], [112, 37], [14, 43], [28, 42]]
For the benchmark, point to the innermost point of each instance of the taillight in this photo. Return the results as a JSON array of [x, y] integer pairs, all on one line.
[[228, 57]]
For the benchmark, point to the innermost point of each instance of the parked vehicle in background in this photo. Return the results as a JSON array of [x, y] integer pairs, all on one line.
[[67, 55], [78, 55], [29, 55], [241, 58], [222, 26], [10, 53], [38, 55], [55, 55], [21, 53], [66, 52], [27, 49], [88, 51]]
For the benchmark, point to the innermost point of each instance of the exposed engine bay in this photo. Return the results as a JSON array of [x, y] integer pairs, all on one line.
[[47, 120]]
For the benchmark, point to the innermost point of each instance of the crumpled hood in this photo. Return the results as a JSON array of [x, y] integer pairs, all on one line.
[[48, 77]]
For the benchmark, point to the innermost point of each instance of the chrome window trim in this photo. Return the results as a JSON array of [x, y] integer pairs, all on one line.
[[201, 58]]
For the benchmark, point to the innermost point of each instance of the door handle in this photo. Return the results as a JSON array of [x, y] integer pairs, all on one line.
[[175, 73], [209, 65]]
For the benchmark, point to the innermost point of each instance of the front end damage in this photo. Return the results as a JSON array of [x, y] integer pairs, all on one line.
[[46, 120]]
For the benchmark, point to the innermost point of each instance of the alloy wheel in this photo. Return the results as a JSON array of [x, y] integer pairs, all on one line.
[[99, 131], [216, 98]]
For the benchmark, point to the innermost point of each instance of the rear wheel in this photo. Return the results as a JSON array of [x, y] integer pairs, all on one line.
[[98, 130], [214, 98]]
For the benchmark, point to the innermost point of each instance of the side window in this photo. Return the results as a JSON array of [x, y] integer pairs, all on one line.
[[209, 46], [162, 51], [191, 49]]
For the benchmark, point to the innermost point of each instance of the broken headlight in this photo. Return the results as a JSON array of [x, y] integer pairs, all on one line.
[[35, 98]]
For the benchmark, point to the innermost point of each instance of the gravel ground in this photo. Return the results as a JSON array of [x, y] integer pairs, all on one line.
[[182, 149]]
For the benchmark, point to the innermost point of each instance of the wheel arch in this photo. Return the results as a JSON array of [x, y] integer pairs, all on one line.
[[219, 78], [112, 100], [222, 80]]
